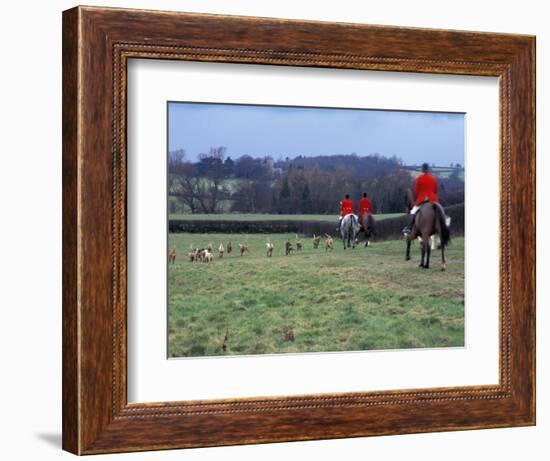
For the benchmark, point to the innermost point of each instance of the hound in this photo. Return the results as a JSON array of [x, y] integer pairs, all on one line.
[[269, 249], [229, 248], [172, 256], [191, 256], [316, 240], [209, 247], [288, 248], [329, 241], [435, 242], [208, 256], [298, 244], [289, 333], [225, 339], [243, 247], [221, 250], [199, 254]]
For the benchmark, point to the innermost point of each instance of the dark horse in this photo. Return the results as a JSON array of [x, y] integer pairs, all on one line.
[[429, 220], [367, 222]]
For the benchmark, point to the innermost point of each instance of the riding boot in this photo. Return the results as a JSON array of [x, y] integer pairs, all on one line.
[[408, 227]]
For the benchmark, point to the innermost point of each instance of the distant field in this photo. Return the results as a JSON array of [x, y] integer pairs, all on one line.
[[267, 217], [362, 299], [440, 172]]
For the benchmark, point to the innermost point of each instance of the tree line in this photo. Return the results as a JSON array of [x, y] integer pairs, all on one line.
[[302, 185]]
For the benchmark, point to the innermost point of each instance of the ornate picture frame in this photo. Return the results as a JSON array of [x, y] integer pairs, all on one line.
[[97, 44]]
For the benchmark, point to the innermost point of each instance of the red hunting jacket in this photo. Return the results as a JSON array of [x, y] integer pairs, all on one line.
[[365, 207], [426, 187], [346, 207]]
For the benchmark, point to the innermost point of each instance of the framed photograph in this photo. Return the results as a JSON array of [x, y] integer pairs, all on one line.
[[281, 230]]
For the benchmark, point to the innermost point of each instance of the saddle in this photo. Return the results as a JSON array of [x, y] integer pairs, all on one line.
[[426, 200]]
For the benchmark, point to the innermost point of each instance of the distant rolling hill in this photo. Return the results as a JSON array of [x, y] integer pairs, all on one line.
[[438, 171]]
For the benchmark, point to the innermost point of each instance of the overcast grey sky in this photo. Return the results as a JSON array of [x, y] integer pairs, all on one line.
[[280, 131]]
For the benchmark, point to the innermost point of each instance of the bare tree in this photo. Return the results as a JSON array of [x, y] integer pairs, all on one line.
[[198, 186], [184, 183], [188, 189], [214, 177]]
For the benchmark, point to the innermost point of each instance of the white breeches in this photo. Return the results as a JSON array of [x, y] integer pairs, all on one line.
[[414, 209]]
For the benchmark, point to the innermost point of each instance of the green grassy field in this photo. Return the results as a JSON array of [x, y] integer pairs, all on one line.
[[362, 299], [268, 217]]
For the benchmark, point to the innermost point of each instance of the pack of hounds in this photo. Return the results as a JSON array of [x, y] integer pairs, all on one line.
[[206, 254]]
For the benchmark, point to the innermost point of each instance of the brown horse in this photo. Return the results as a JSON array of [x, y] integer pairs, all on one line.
[[367, 224], [429, 220]]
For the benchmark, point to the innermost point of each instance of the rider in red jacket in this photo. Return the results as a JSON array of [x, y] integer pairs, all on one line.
[[425, 189], [365, 206], [346, 207]]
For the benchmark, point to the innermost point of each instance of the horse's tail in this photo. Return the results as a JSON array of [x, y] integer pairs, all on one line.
[[355, 224], [445, 232]]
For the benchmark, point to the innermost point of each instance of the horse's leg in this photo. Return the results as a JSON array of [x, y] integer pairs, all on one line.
[[422, 253], [443, 261], [428, 251], [408, 252]]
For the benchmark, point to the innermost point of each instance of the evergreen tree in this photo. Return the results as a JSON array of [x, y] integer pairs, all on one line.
[[229, 167], [284, 198], [306, 200]]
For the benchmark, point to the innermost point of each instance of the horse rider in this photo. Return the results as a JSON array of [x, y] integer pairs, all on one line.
[[365, 207], [346, 207], [425, 189]]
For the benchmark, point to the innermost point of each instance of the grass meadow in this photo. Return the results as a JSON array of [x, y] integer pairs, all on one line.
[[311, 301]]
